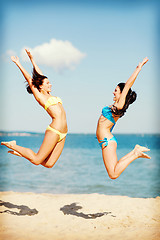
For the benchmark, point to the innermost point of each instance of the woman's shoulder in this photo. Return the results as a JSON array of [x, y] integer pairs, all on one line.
[[43, 99]]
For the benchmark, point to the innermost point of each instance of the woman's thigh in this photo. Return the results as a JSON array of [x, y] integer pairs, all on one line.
[[110, 156], [49, 142], [54, 155]]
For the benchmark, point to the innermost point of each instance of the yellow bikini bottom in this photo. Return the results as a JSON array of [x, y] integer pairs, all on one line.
[[61, 135]]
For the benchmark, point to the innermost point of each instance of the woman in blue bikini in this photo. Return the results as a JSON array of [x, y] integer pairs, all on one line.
[[56, 132], [123, 97]]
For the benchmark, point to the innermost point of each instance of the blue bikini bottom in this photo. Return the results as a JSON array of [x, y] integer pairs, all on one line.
[[105, 140]]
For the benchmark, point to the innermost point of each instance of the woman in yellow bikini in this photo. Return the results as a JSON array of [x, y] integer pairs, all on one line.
[[56, 132]]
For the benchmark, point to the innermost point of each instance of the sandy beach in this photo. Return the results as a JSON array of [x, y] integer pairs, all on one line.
[[28, 216]]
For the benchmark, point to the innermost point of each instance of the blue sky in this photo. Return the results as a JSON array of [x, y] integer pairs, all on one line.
[[112, 38]]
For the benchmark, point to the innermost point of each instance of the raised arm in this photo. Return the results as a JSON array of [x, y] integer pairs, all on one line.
[[129, 83], [33, 62], [23, 71], [27, 76]]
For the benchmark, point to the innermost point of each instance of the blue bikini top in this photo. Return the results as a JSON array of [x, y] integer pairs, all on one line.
[[107, 113]]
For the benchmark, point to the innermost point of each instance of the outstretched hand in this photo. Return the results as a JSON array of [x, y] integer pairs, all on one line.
[[29, 54], [143, 62], [15, 59]]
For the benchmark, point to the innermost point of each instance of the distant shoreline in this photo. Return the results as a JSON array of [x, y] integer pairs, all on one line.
[[27, 133]]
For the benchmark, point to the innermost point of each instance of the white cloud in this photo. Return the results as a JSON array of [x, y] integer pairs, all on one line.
[[11, 53], [58, 54], [6, 56]]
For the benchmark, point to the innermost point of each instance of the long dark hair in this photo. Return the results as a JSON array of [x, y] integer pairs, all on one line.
[[37, 81], [130, 98]]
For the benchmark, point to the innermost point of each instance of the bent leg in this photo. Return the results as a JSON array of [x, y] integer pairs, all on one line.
[[49, 142], [115, 167], [54, 155], [19, 151]]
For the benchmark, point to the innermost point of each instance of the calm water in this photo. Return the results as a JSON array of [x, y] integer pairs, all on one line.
[[80, 168]]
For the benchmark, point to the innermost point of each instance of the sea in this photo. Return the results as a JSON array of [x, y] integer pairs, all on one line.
[[80, 168]]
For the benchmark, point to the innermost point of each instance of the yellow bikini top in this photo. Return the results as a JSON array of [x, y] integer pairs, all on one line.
[[52, 101]]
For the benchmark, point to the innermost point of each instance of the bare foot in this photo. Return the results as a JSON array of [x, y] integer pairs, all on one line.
[[10, 144], [15, 153], [139, 151]]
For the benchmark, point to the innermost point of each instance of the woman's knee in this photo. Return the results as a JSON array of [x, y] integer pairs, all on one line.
[[36, 160], [113, 175], [48, 164]]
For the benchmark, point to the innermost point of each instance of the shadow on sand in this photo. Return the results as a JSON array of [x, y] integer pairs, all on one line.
[[73, 208], [24, 210]]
